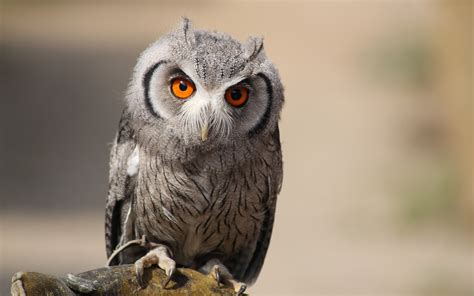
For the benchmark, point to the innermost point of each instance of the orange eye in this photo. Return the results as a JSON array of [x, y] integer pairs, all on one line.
[[237, 96], [182, 88]]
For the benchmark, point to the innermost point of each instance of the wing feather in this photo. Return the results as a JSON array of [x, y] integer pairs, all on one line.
[[121, 185], [273, 189]]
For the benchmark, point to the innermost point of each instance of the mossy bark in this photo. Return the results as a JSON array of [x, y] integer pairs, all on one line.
[[119, 280]]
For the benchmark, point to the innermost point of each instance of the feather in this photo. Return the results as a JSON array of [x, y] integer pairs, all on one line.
[[121, 186]]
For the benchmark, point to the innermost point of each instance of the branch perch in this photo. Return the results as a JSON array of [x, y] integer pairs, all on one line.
[[117, 280]]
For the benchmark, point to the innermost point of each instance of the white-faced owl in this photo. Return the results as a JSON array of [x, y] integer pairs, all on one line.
[[196, 165]]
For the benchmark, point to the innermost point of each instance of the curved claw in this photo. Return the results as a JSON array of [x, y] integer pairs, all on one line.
[[139, 270], [242, 290], [168, 278], [216, 274], [218, 278]]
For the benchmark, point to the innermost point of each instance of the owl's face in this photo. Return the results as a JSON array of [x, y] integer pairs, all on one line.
[[200, 88]]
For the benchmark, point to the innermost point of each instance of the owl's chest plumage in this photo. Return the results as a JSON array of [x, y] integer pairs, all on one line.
[[204, 206]]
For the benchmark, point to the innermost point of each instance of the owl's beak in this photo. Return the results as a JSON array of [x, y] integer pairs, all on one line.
[[204, 132]]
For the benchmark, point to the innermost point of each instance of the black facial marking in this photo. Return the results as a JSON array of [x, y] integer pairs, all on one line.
[[266, 115], [146, 87]]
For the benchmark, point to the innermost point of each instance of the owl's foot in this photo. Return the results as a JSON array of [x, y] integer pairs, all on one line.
[[159, 255], [215, 269]]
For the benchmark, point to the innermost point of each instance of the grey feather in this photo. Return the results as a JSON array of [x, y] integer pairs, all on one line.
[[121, 186]]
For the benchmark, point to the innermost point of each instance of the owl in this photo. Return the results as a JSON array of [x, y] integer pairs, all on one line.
[[196, 165]]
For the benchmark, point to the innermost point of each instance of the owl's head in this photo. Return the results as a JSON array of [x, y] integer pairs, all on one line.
[[198, 88]]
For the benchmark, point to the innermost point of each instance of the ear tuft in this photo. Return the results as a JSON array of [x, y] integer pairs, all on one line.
[[187, 31], [253, 47]]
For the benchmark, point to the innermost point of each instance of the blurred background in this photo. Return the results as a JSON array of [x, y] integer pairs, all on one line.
[[376, 131]]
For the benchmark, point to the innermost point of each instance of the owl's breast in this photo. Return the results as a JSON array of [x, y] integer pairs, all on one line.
[[197, 211]]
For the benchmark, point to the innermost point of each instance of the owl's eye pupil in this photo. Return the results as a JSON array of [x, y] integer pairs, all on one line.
[[235, 94], [183, 86]]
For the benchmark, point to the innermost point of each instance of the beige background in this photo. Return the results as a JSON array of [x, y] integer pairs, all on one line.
[[376, 134]]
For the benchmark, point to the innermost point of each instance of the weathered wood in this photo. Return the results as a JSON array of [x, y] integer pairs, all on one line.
[[119, 280]]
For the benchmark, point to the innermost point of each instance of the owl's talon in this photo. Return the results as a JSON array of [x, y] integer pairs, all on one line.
[[140, 281], [139, 269], [169, 274], [158, 255], [218, 279], [216, 274], [215, 269], [164, 284], [239, 287], [242, 289]]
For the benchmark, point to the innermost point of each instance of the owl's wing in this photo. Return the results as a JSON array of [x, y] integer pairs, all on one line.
[[122, 182], [273, 189]]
